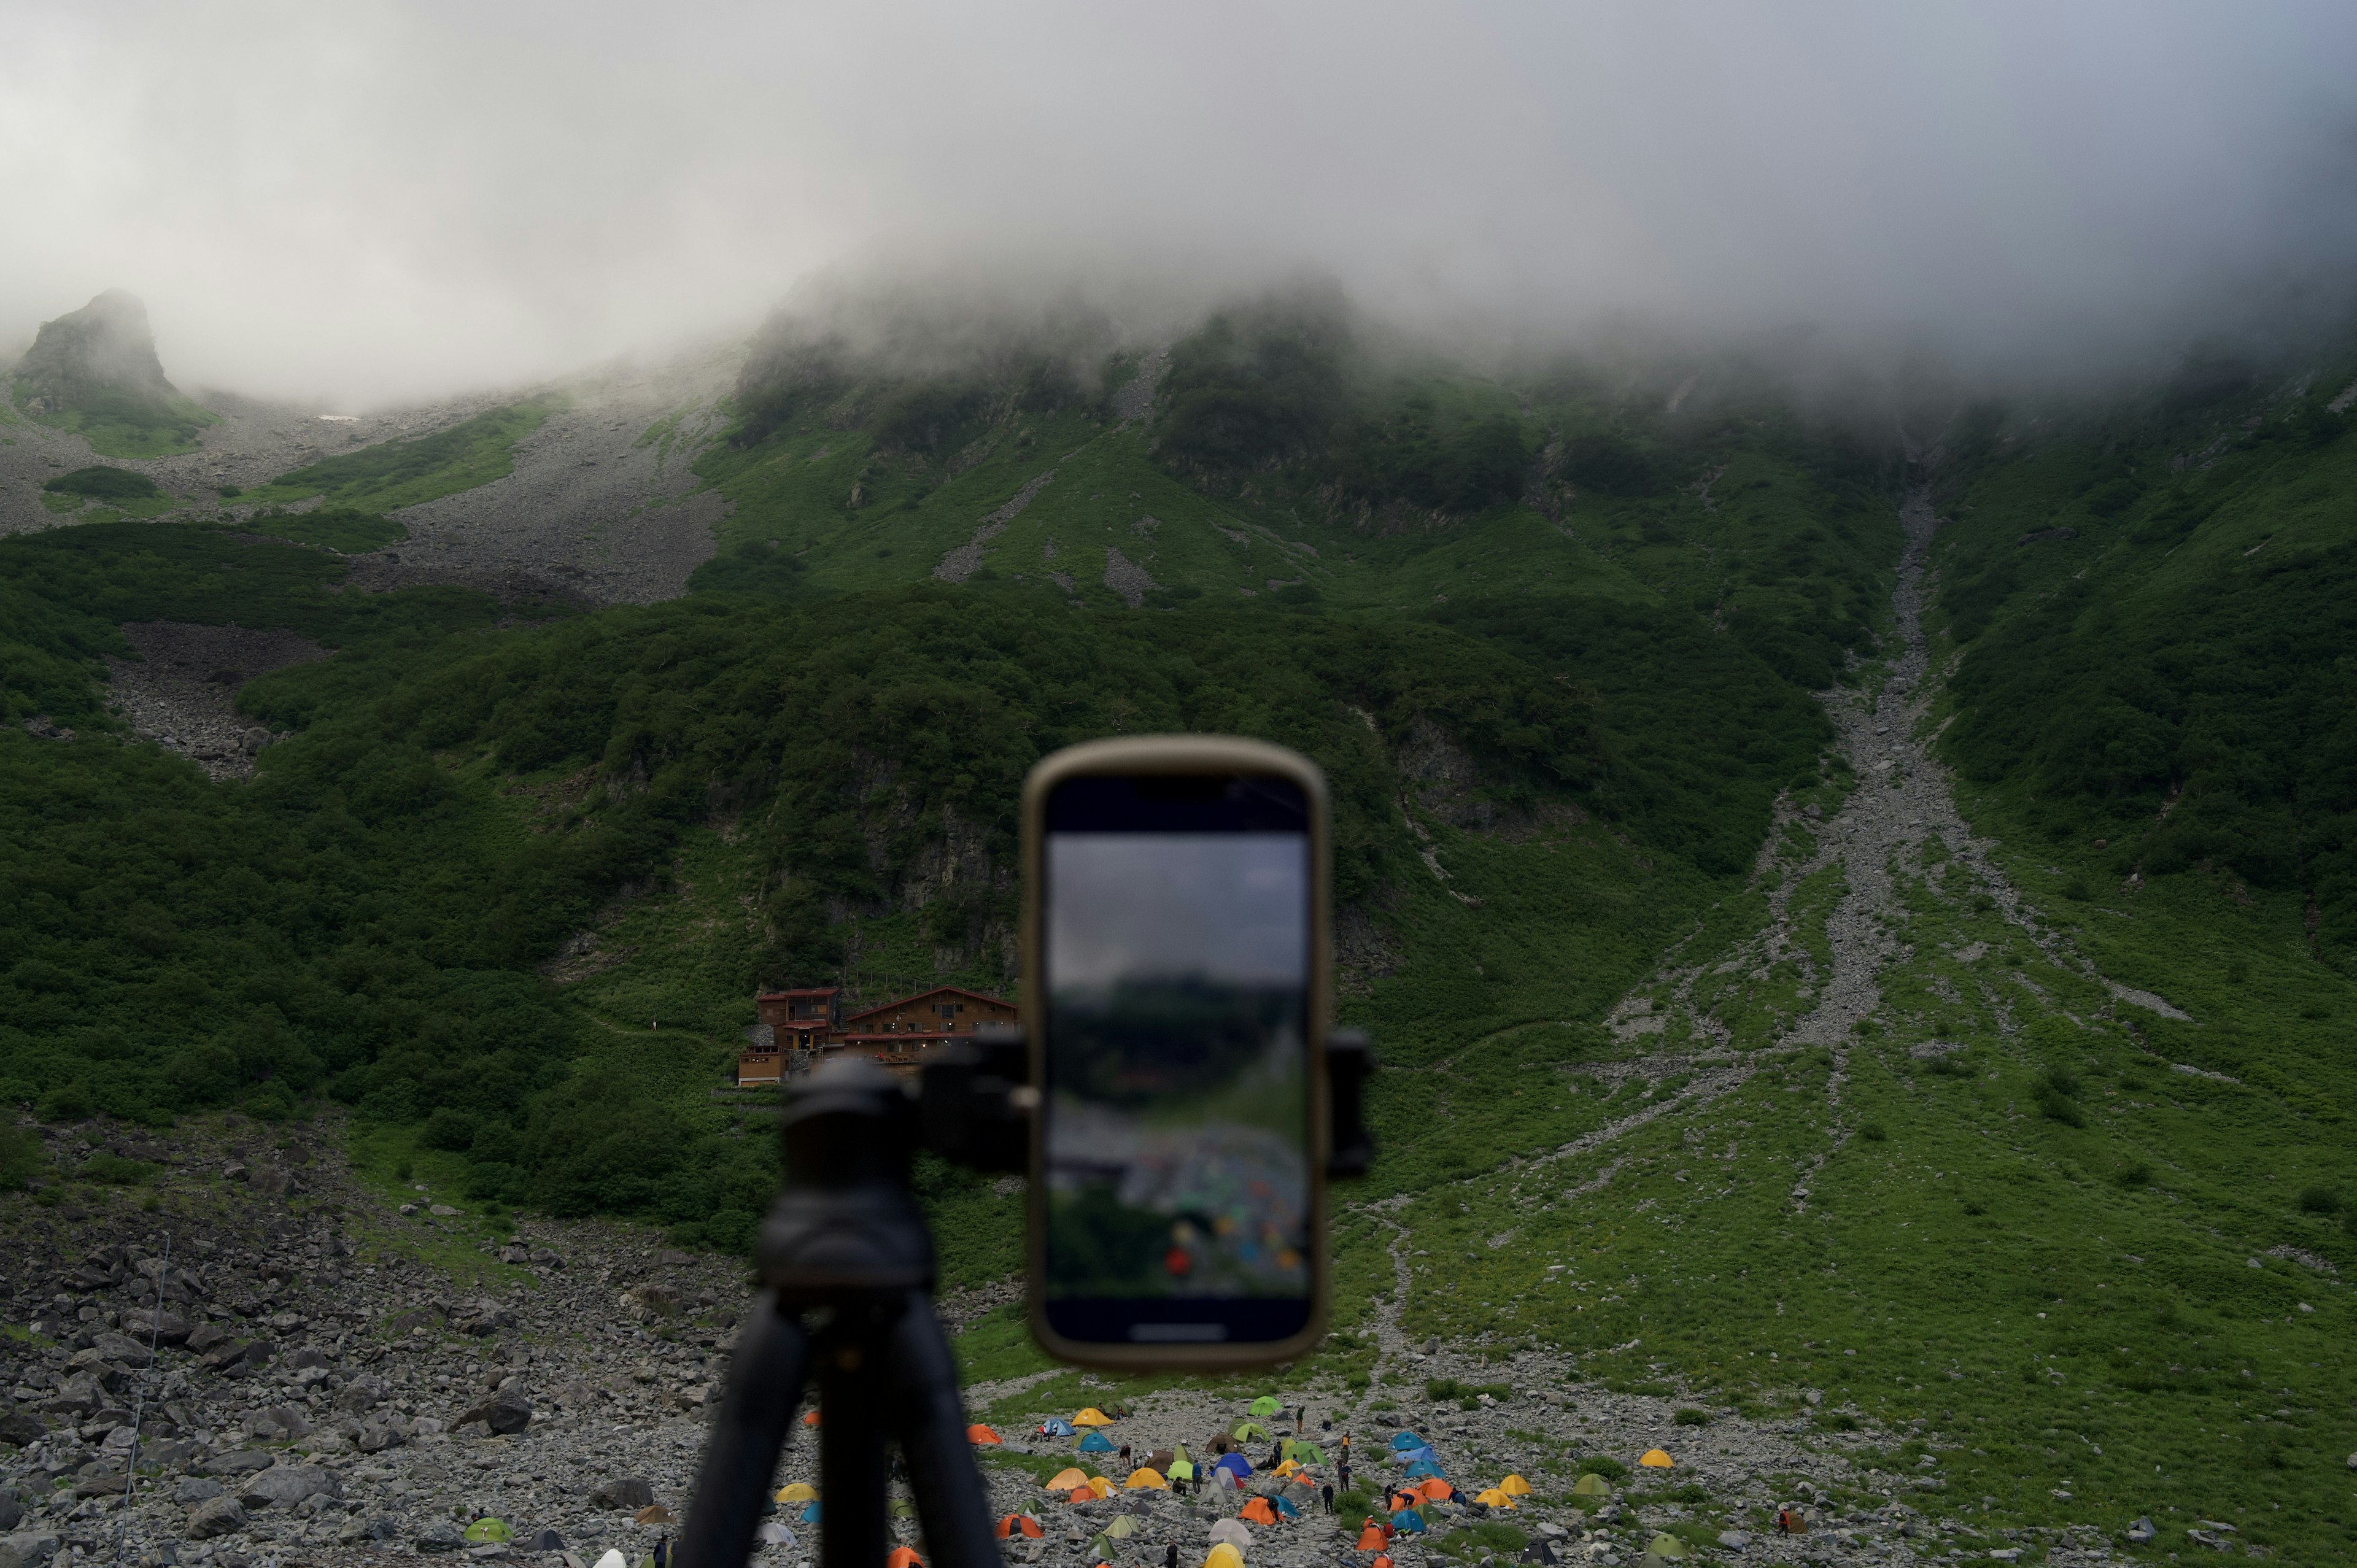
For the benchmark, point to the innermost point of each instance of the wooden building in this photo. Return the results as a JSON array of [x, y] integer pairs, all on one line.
[[897, 1033], [803, 1025], [803, 1020]]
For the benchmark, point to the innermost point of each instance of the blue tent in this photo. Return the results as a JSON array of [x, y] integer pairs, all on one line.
[[1407, 1522], [1287, 1509], [1404, 1440], [1055, 1426], [809, 1514], [1235, 1464], [1096, 1443], [1423, 1469]]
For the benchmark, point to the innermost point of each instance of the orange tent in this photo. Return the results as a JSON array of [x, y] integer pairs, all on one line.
[[1654, 1459], [1258, 1511], [903, 1557], [1437, 1490], [981, 1434], [809, 1418], [1405, 1500], [1372, 1539], [1081, 1495], [1067, 1478], [1381, 1561], [1018, 1523]]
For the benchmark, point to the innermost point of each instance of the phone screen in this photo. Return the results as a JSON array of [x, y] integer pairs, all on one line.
[[1178, 1144]]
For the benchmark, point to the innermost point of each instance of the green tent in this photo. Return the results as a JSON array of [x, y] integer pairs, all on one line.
[[1248, 1429], [1302, 1452], [1179, 1452], [1122, 1527], [1181, 1470], [1266, 1405], [1101, 1549], [1664, 1548], [1591, 1485], [490, 1531]]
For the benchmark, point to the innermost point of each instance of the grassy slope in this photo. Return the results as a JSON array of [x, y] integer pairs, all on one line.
[[405, 473], [118, 427]]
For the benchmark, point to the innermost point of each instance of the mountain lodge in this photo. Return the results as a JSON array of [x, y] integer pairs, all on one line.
[[895, 1034]]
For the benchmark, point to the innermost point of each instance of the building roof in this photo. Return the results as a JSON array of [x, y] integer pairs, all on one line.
[[805, 990], [921, 995]]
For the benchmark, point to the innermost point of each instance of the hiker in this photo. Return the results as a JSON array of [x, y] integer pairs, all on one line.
[[1786, 1524], [1170, 1555], [662, 1550], [1344, 1470], [1301, 1421], [1275, 1454], [1327, 1491], [1124, 1457]]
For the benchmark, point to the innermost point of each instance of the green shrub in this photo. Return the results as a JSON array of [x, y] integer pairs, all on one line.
[[2318, 1200], [114, 1170], [1691, 1417], [102, 483], [20, 1156], [2136, 1173], [448, 1128], [1603, 1465], [67, 1102], [1875, 1133]]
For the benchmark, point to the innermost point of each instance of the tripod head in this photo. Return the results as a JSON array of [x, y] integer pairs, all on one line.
[[848, 1269]]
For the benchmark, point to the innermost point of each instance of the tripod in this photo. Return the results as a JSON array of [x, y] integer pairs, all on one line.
[[847, 1267]]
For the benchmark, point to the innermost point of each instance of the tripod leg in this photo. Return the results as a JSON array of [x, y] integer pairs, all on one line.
[[928, 1419], [765, 1384], [851, 1440]]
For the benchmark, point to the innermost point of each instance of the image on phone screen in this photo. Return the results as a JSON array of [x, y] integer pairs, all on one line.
[[1177, 966]]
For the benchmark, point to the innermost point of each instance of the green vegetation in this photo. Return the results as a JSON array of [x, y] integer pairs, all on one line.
[[104, 484], [119, 424], [404, 473], [344, 529]]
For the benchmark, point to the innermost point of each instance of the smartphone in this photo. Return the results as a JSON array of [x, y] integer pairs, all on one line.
[[1176, 969]]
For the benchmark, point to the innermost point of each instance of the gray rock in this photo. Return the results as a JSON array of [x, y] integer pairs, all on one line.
[[623, 1492], [77, 1396], [205, 1336], [375, 1437], [2141, 1532], [243, 1461], [360, 1396], [122, 1349], [22, 1427], [216, 1515], [440, 1536], [505, 1413], [290, 1420], [1734, 1540], [310, 1356], [283, 1486], [27, 1547], [195, 1489], [11, 1510]]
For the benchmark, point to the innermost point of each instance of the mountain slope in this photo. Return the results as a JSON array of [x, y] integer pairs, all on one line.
[[94, 371]]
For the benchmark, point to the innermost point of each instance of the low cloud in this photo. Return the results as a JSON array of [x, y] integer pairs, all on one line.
[[373, 201]]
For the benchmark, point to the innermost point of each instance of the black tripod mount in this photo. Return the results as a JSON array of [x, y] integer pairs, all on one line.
[[846, 1266]]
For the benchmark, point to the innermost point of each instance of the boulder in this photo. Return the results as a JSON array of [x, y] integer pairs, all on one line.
[[99, 1482], [440, 1536], [205, 1336], [360, 1395], [623, 1492], [310, 1356], [506, 1413], [242, 1462], [403, 1323], [167, 1328], [11, 1510], [122, 1349], [375, 1437], [2141, 1532], [289, 1420], [22, 1427], [195, 1489], [641, 1303], [27, 1547], [78, 1396], [216, 1515], [426, 1427], [283, 1486]]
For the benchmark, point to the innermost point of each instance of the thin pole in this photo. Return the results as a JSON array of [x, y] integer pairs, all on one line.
[[139, 1400]]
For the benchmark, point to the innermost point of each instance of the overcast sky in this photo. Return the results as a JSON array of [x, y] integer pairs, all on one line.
[[369, 200]]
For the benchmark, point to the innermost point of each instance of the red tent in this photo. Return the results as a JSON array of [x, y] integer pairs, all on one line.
[[1018, 1524]]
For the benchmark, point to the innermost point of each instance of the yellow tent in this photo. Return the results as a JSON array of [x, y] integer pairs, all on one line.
[[1287, 1468], [800, 1492], [1223, 1556], [1092, 1416], [1654, 1459], [1144, 1478], [1494, 1499], [1100, 1486], [1514, 1486], [1591, 1485], [1065, 1481]]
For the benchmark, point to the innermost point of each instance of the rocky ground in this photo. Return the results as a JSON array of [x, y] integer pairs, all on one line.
[[178, 692], [588, 512]]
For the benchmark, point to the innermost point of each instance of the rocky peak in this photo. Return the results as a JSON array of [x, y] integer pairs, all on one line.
[[105, 347]]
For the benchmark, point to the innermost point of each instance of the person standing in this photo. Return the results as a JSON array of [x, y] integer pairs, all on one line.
[[1170, 1554], [1327, 1491]]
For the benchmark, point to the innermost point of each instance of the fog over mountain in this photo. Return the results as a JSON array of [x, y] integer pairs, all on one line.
[[375, 201]]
